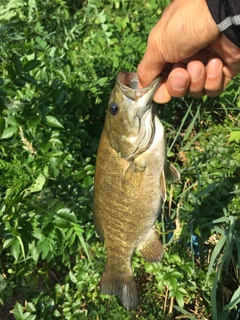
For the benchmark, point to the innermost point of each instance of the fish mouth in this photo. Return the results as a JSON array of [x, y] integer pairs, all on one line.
[[129, 83], [139, 101]]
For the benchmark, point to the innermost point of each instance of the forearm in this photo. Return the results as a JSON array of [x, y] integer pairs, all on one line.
[[226, 14]]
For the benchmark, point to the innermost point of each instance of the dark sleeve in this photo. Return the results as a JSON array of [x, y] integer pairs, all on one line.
[[226, 14]]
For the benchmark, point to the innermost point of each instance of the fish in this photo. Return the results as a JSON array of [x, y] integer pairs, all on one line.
[[130, 184]]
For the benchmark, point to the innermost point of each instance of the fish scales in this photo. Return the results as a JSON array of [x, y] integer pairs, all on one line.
[[129, 185]]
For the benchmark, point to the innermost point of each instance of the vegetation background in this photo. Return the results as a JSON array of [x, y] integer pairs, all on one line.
[[59, 61]]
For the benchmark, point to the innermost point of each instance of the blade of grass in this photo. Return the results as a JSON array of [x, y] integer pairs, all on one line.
[[235, 300], [180, 128], [190, 142], [224, 232], [190, 127], [22, 247], [227, 256], [78, 231], [214, 255], [213, 296], [186, 313]]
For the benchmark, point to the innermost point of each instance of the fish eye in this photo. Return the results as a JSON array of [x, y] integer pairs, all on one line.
[[113, 108]]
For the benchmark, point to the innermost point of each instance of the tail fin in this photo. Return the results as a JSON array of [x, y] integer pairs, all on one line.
[[125, 287]]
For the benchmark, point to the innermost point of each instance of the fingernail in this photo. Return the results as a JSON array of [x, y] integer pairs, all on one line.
[[178, 82], [195, 72], [213, 67]]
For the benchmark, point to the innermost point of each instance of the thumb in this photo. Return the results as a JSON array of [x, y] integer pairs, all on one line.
[[149, 69]]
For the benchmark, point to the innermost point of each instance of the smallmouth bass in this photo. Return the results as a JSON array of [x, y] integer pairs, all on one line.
[[130, 184]]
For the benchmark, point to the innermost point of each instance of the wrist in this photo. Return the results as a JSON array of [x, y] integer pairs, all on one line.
[[226, 15]]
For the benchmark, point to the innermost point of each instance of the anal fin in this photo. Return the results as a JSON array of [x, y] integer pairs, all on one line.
[[151, 249]]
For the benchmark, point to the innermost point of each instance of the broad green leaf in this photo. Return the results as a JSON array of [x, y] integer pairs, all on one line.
[[3, 283], [45, 252], [177, 274], [31, 65], [2, 104], [87, 181], [62, 223], [7, 15], [58, 289], [15, 249], [179, 298], [41, 245], [102, 80], [35, 254], [42, 43], [54, 166], [2, 125], [67, 215], [172, 283], [18, 311], [29, 316], [174, 258], [8, 132], [72, 239], [28, 78], [57, 314], [36, 186], [72, 277], [7, 242], [53, 122], [34, 121], [17, 64], [60, 234], [234, 136]]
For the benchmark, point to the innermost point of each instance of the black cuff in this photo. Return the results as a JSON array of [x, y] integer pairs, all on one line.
[[226, 14]]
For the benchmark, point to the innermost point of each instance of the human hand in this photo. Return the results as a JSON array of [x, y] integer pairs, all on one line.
[[186, 47]]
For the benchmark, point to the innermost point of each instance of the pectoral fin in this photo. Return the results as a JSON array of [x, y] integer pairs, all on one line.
[[171, 172], [134, 175], [163, 185], [151, 249]]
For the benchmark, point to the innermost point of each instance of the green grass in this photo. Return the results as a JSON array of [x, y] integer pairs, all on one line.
[[60, 61]]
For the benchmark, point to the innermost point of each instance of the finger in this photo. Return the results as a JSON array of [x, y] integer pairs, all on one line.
[[178, 82], [197, 72], [148, 70], [162, 95], [214, 78], [152, 63]]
